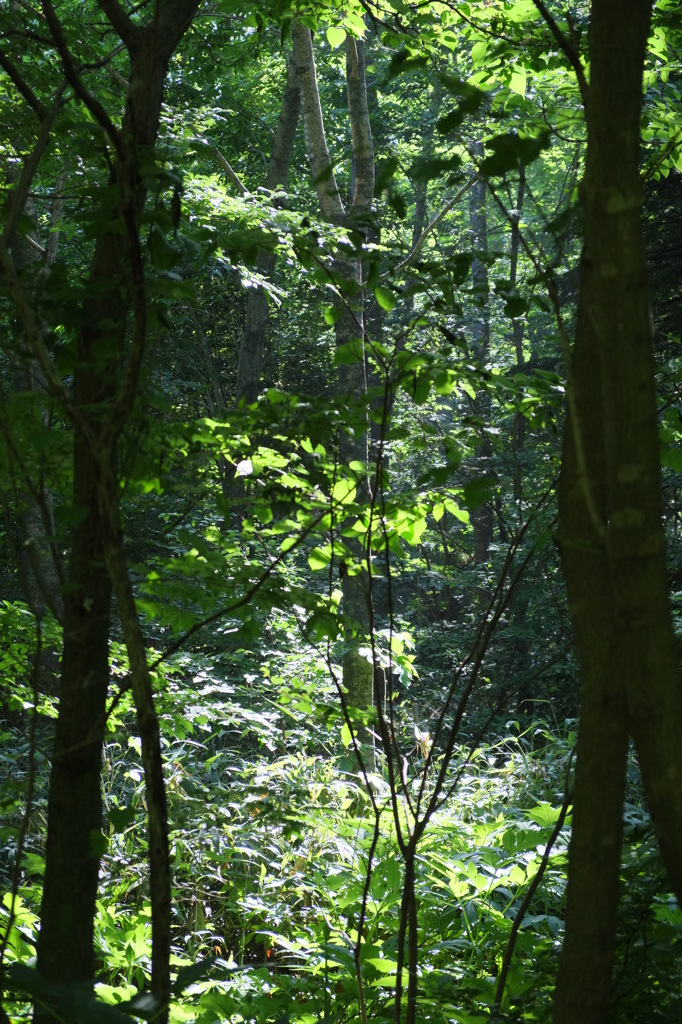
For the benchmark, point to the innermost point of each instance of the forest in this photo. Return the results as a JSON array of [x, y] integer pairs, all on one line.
[[341, 536]]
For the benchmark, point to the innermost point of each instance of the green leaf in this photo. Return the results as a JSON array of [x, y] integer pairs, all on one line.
[[426, 168], [192, 973], [517, 82], [478, 52], [352, 352], [335, 36], [332, 314], [319, 558], [385, 298], [511, 151], [121, 817], [99, 843], [454, 510], [346, 737], [343, 492]]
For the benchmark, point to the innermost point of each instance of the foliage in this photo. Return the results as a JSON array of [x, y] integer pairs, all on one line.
[[241, 520]]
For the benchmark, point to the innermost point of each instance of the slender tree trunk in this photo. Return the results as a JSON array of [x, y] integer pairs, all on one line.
[[257, 309], [30, 505], [611, 534], [482, 515], [353, 443]]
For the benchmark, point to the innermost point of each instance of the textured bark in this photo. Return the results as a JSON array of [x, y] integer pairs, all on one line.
[[611, 534], [353, 443], [103, 398]]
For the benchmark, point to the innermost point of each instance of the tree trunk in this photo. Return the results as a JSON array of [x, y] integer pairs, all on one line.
[[257, 310], [353, 443], [102, 398], [482, 515], [611, 534]]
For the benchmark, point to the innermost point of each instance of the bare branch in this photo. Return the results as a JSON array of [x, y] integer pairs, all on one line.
[[430, 227], [231, 174]]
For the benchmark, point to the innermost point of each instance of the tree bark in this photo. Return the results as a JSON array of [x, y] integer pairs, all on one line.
[[482, 515], [103, 398], [611, 535], [358, 671]]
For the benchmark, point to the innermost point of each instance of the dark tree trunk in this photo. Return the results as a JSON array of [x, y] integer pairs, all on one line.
[[102, 400], [611, 534]]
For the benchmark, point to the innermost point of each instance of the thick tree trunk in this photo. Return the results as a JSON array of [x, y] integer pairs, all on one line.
[[611, 534], [103, 401]]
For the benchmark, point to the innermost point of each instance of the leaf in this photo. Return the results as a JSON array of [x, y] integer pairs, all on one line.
[[121, 817], [426, 168], [319, 558], [336, 36], [346, 737], [511, 151], [478, 492], [516, 306], [351, 352], [343, 492], [478, 52], [517, 82], [332, 314], [99, 843], [403, 62], [385, 298], [189, 975], [454, 510]]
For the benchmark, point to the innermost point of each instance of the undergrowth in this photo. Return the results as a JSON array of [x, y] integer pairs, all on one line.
[[271, 832]]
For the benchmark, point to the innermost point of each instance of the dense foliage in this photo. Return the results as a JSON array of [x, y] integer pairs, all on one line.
[[294, 391]]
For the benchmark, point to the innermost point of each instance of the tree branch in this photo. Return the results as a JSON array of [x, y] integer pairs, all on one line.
[[567, 47], [120, 21], [75, 81], [410, 258], [24, 88]]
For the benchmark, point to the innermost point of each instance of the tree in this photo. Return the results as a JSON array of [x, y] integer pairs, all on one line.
[[107, 359], [347, 272], [611, 533]]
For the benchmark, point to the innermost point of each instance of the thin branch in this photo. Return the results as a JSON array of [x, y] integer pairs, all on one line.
[[34, 336], [75, 81], [526, 901], [222, 613], [410, 258], [231, 174], [568, 48], [24, 88], [15, 207], [50, 251]]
